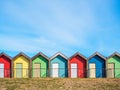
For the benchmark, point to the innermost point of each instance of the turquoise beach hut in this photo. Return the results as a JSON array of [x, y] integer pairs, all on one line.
[[59, 65]]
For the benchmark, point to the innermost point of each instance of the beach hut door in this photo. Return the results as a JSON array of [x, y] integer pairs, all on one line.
[[1, 70], [37, 70], [110, 70], [19, 70], [55, 69], [74, 70], [92, 70]]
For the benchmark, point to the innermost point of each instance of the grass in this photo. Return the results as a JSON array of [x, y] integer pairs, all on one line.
[[59, 84]]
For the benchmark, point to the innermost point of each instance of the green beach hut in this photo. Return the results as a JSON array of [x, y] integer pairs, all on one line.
[[113, 66], [39, 65]]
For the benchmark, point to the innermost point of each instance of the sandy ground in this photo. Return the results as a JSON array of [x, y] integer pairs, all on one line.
[[59, 84]]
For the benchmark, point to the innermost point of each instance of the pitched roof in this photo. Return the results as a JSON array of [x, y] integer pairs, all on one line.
[[79, 54], [98, 54], [21, 54], [59, 54], [4, 54], [40, 54], [114, 54]]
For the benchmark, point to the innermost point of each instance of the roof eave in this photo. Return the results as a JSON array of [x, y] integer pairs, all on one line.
[[114, 54], [98, 54], [21, 54], [40, 54], [59, 53], [4, 54], [77, 53]]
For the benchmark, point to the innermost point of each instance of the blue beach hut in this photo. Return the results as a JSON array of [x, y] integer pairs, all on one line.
[[96, 66]]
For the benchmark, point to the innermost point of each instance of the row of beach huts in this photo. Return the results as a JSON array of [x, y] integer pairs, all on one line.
[[60, 66]]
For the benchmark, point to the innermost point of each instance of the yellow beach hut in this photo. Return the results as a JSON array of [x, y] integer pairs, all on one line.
[[21, 65]]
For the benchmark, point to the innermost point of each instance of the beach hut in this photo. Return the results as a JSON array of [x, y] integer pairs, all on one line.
[[40, 64], [96, 66], [59, 65], [21, 65], [113, 65], [5, 66], [77, 66]]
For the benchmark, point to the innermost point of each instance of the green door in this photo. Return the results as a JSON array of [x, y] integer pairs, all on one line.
[[19, 70]]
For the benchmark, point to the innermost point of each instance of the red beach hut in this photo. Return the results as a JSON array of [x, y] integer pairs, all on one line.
[[77, 66], [5, 66]]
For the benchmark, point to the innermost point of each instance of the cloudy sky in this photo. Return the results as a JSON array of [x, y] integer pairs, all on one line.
[[68, 26]]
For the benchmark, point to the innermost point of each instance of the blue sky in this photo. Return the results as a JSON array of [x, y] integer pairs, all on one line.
[[68, 26]]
